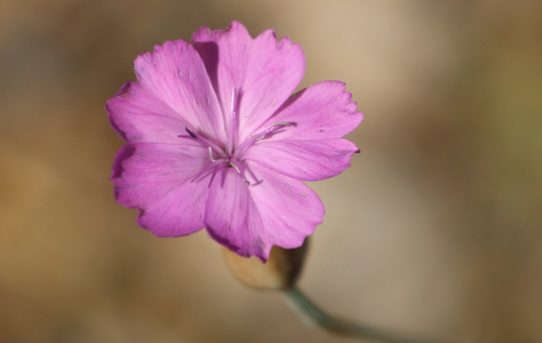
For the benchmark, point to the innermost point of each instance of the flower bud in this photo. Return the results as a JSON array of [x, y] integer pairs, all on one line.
[[281, 270]]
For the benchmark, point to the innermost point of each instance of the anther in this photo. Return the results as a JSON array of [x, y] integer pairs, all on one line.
[[236, 168], [257, 182], [267, 133], [286, 123], [274, 129], [192, 134], [211, 154]]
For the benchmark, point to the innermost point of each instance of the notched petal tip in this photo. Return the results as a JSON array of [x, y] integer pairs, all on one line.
[[237, 28], [236, 25], [283, 42], [279, 40], [270, 34], [349, 104], [206, 34], [352, 105], [148, 58]]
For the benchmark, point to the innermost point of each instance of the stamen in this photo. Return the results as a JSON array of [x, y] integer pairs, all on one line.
[[236, 168], [221, 157], [257, 182], [192, 134], [274, 129], [267, 133], [211, 155], [206, 142]]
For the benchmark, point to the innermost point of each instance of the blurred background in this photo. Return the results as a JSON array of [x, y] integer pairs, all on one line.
[[436, 228]]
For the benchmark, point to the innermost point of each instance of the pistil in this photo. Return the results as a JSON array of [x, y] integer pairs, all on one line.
[[231, 156]]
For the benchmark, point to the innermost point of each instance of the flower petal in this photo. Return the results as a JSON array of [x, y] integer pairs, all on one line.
[[139, 116], [322, 111], [312, 149], [303, 159], [251, 219], [158, 179], [175, 74], [259, 74]]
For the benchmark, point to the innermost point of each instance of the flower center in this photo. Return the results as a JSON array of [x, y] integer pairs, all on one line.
[[230, 155]]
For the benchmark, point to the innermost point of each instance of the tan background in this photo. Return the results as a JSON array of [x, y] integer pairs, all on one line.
[[435, 229]]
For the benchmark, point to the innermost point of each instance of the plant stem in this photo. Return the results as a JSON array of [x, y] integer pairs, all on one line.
[[316, 316]]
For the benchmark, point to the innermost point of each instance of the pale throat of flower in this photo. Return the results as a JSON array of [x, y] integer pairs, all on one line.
[[230, 155]]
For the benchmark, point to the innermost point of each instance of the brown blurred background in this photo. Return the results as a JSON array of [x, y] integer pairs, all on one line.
[[435, 229]]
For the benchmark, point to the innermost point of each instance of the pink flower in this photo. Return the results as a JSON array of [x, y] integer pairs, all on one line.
[[216, 140]]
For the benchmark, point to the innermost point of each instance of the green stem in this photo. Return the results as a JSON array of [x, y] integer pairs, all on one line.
[[316, 316]]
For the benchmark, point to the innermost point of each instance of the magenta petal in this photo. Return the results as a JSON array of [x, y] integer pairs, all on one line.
[[251, 219], [226, 54], [216, 140], [175, 74], [276, 65], [140, 117], [304, 159], [311, 148], [227, 216], [157, 179], [262, 71], [322, 111]]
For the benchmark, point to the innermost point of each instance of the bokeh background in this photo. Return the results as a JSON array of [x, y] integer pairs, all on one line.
[[436, 228]]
